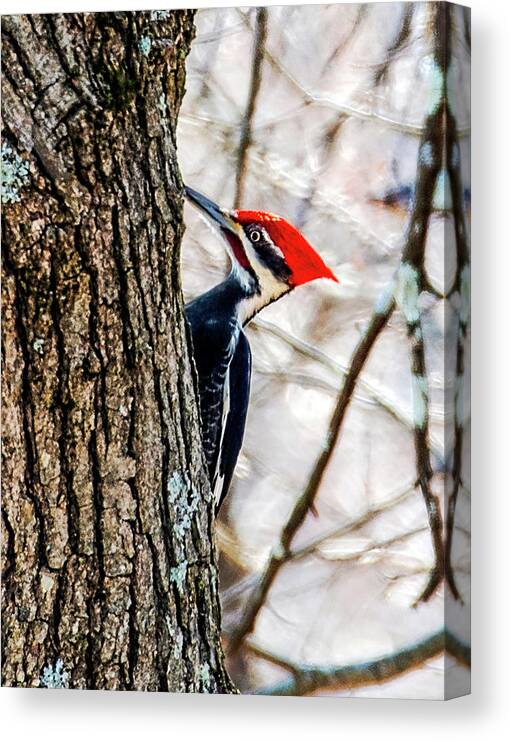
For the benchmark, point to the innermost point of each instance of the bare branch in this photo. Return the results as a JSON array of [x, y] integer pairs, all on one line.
[[308, 679]]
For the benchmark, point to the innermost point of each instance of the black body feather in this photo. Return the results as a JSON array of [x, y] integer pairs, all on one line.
[[223, 361]]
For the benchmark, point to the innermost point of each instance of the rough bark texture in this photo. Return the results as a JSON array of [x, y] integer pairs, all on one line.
[[109, 576]]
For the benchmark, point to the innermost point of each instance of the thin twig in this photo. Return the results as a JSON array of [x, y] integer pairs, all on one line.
[[372, 547], [407, 127], [338, 368], [215, 36], [324, 150], [225, 541], [402, 38], [342, 46], [349, 527], [246, 126]]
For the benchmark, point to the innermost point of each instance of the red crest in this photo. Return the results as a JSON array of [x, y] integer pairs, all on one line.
[[302, 259]]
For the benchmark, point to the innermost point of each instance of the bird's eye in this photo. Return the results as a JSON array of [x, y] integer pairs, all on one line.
[[255, 235]]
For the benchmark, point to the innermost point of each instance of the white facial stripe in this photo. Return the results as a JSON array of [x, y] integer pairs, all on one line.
[[274, 247], [270, 287]]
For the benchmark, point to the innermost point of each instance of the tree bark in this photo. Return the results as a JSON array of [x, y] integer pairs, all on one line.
[[109, 572]]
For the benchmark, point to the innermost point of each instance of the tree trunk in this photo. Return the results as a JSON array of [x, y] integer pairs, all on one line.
[[109, 573]]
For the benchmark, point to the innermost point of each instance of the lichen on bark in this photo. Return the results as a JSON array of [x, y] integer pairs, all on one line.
[[100, 421]]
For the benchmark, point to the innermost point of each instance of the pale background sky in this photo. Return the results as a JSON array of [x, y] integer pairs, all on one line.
[[329, 171]]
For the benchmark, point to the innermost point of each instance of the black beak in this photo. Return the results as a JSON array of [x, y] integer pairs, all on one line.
[[219, 215]]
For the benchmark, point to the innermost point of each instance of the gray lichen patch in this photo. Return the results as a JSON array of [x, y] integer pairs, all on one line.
[[159, 15], [55, 677], [176, 637], [407, 292], [38, 345], [184, 501], [204, 675], [145, 45], [178, 575], [14, 174], [162, 106], [442, 199], [435, 80], [420, 401], [426, 155]]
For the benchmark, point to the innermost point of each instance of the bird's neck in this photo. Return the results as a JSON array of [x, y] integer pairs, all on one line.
[[255, 292], [236, 298]]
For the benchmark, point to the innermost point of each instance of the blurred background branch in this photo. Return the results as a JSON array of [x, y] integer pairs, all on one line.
[[306, 500], [309, 679], [256, 72]]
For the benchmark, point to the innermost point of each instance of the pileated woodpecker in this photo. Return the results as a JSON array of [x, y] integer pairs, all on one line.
[[269, 258]]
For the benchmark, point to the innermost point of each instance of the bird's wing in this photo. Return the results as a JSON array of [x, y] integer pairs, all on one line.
[[214, 346], [212, 398], [235, 407]]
